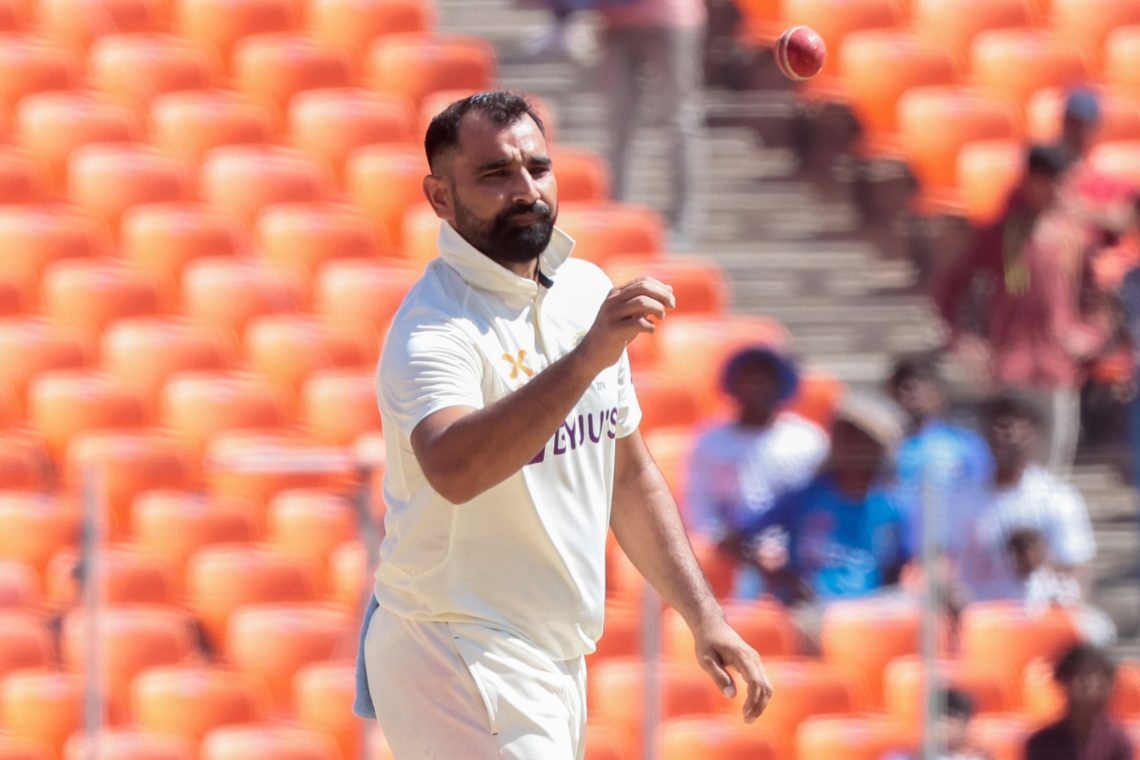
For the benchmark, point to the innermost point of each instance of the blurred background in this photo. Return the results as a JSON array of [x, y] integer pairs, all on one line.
[[907, 289]]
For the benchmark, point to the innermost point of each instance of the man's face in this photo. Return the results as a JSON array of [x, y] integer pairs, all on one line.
[[497, 189], [920, 398], [1012, 438], [855, 450], [1090, 688], [1040, 191], [756, 388]]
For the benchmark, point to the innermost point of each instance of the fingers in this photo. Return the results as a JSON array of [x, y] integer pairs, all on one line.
[[747, 663], [711, 664], [646, 286], [640, 306]]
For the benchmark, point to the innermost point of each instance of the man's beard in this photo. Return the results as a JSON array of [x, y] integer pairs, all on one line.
[[504, 241]]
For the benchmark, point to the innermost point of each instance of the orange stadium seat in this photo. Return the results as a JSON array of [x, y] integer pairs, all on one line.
[[22, 178], [173, 525], [162, 238], [34, 526], [32, 346], [29, 65], [666, 402], [338, 406], [988, 171], [850, 738], [227, 294], [583, 175], [77, 24], [127, 464], [934, 124], [416, 66], [354, 24], [131, 639], [42, 706], [25, 643], [126, 577], [350, 570], [719, 570], [254, 742], [243, 180], [143, 354], [1119, 116], [52, 125], [878, 66], [285, 349], [301, 237], [1122, 60], [602, 743], [437, 101], [807, 688], [818, 398], [766, 626], [385, 181], [1003, 736], [19, 586], [190, 701], [1045, 702], [171, 64], [12, 748], [330, 124], [87, 295], [199, 405], [271, 642], [258, 466], [622, 632], [362, 294], [699, 284], [718, 739], [603, 231], [311, 524], [322, 702], [272, 68], [1006, 638], [1012, 64], [24, 463], [35, 236], [835, 19], [906, 677], [191, 124], [127, 744], [66, 403], [107, 180], [15, 16], [1118, 159], [1088, 23], [221, 24], [222, 579], [12, 303], [953, 24]]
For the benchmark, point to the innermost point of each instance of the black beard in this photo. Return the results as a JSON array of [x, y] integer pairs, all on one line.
[[502, 240]]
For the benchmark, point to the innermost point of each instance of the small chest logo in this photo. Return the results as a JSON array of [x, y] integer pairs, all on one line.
[[518, 364]]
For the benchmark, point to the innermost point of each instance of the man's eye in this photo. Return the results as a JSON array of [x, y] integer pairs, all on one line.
[[539, 171]]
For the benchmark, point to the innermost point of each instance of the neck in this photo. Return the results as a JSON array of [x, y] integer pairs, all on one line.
[[854, 484], [1009, 474], [1081, 723], [751, 418], [527, 269]]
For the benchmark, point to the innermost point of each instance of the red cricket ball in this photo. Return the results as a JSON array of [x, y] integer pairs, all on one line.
[[800, 53]]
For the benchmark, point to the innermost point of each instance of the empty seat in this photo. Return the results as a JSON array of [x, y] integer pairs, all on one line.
[[415, 66], [906, 678], [272, 68], [15, 16], [130, 640], [666, 402], [31, 347], [362, 294], [1118, 160], [257, 466], [222, 579], [28, 65], [34, 527], [171, 64], [87, 295], [819, 396], [128, 464], [174, 525], [199, 405], [1088, 24], [254, 742], [108, 180], [623, 632], [190, 701], [350, 569], [301, 237], [672, 448], [859, 638], [52, 125], [385, 181], [835, 19], [162, 238], [285, 349], [953, 24], [311, 524], [42, 707], [35, 236], [66, 403], [1122, 60], [191, 124], [271, 642], [25, 643], [19, 586], [354, 24], [24, 463], [323, 694], [807, 688], [329, 124], [338, 406], [765, 626], [699, 285], [22, 178], [603, 231], [227, 294], [128, 744], [12, 748], [1012, 64], [243, 180], [988, 171], [77, 24], [583, 175], [221, 24], [827, 738], [126, 577], [718, 739]]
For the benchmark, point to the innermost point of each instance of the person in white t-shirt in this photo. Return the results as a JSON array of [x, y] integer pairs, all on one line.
[[739, 469], [511, 429]]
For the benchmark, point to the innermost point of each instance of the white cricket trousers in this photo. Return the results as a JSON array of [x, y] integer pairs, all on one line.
[[463, 691]]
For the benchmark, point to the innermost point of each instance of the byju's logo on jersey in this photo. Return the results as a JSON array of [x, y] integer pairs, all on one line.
[[581, 430], [518, 364]]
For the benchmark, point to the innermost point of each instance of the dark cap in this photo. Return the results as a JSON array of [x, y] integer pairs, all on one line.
[[789, 376], [1082, 105], [1046, 161]]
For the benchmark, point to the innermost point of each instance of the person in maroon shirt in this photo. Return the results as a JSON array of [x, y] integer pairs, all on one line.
[[1085, 731]]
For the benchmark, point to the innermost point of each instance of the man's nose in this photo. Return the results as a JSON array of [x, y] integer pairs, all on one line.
[[525, 190]]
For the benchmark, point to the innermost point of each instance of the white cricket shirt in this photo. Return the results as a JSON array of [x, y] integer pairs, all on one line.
[[528, 555]]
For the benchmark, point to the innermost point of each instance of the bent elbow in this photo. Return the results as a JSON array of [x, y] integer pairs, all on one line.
[[454, 485]]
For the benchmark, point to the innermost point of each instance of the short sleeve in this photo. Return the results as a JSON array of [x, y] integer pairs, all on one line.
[[701, 511], [629, 411], [1070, 537], [433, 367]]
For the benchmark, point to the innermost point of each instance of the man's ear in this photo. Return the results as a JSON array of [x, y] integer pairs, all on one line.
[[437, 190]]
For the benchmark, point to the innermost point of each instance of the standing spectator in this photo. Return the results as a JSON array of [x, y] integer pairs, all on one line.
[[663, 38], [739, 469], [1085, 731], [1040, 329], [1129, 251]]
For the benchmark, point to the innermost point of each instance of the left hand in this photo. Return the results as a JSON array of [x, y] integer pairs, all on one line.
[[718, 648]]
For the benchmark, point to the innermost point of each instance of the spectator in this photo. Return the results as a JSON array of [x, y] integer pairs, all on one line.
[[1128, 253], [936, 457], [665, 37], [738, 469], [1085, 731], [554, 41], [1040, 328], [1079, 124], [841, 536], [953, 730]]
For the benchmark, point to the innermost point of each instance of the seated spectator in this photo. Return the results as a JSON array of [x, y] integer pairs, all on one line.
[[953, 740], [738, 469], [841, 536], [1085, 731], [936, 458]]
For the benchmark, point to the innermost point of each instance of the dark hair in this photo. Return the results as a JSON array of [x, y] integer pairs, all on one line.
[[1045, 161], [1079, 657], [1013, 404], [502, 108], [958, 703], [915, 367]]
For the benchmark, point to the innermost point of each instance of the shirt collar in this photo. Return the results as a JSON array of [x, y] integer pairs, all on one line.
[[479, 271]]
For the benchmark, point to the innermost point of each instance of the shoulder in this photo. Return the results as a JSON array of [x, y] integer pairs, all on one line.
[[1055, 492], [793, 429]]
